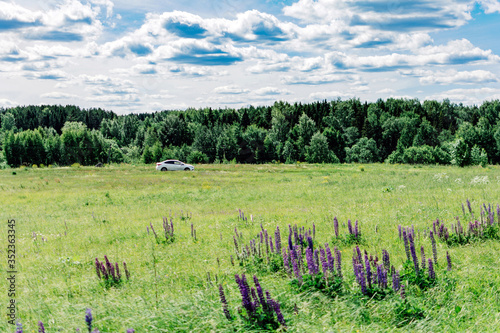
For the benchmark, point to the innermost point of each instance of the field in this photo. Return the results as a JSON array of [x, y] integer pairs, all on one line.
[[68, 217]]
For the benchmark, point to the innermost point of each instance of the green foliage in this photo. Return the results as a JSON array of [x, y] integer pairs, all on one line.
[[318, 152], [364, 151], [420, 279], [330, 286], [196, 157], [406, 312]]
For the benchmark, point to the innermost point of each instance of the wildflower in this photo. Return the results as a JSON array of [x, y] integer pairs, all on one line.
[[413, 253], [41, 328], [130, 330], [245, 295], [356, 230], [361, 278], [88, 319], [224, 302], [448, 259], [423, 256], [407, 249], [277, 239], [434, 250], [336, 226], [432, 274], [329, 257], [368, 271], [338, 259], [310, 262], [386, 260], [395, 281], [296, 270], [349, 226], [19, 327]]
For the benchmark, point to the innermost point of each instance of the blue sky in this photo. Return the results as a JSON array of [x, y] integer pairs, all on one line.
[[131, 56]]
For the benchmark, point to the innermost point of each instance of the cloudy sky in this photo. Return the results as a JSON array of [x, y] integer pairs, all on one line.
[[149, 55]]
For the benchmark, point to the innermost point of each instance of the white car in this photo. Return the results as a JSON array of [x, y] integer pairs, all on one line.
[[173, 165]]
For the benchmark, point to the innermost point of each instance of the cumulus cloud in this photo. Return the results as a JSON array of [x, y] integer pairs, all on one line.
[[271, 91], [230, 90], [467, 96], [455, 77]]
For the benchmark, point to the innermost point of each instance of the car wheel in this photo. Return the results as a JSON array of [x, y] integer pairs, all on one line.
[[163, 169], [186, 169]]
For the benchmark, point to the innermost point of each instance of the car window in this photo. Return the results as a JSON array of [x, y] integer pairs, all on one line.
[[178, 163], [170, 162]]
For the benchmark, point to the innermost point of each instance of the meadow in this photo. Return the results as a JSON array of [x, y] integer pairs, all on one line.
[[68, 217]]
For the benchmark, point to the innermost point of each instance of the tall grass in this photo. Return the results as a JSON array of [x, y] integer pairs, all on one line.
[[67, 217]]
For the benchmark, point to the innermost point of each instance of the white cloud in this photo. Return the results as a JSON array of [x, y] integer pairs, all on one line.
[[455, 77], [230, 90], [6, 103], [490, 6], [467, 96], [60, 95], [266, 91]]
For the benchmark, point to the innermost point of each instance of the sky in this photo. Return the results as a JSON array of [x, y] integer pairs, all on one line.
[[145, 56]]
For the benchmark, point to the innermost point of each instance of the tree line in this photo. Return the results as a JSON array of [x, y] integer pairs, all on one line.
[[392, 130]]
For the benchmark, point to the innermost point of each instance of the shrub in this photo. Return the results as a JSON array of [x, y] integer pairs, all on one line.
[[196, 157], [364, 151]]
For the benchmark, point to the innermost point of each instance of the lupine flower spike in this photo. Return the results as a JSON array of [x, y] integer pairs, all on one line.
[[88, 319], [41, 328]]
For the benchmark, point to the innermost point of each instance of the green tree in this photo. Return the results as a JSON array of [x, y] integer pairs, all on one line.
[[364, 151], [317, 151]]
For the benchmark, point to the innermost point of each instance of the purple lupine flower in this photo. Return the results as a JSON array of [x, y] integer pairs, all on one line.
[[290, 244], [88, 319], [224, 302], [41, 328], [279, 315], [98, 268], [310, 243], [468, 205], [323, 256], [448, 259], [360, 258], [382, 277], [153, 229], [498, 213], [118, 275], [338, 261], [316, 260], [19, 327], [130, 330], [361, 278], [396, 281], [368, 271], [422, 252], [336, 226], [236, 246], [434, 249], [399, 229], [260, 293], [296, 270], [432, 274], [463, 209], [413, 253], [277, 238], [127, 273], [310, 262], [271, 244], [349, 227], [329, 257], [245, 294], [356, 230], [286, 261], [266, 236], [386, 260], [407, 248], [314, 231]]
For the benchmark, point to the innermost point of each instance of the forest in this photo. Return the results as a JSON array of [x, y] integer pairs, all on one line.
[[341, 131]]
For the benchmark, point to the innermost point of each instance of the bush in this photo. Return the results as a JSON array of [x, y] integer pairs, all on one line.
[[419, 155], [364, 151], [196, 157]]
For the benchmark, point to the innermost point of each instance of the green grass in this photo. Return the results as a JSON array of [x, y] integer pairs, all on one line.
[[84, 213]]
